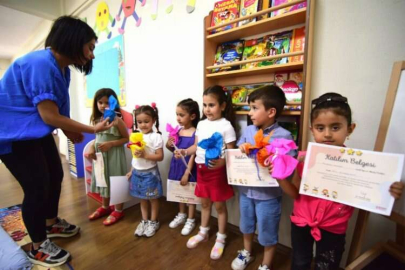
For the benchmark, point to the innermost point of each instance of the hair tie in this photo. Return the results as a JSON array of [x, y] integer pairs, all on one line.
[[137, 106], [153, 105], [321, 100]]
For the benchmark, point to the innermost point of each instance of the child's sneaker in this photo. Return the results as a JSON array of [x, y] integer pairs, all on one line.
[[48, 255], [263, 267], [61, 229], [188, 227], [242, 260], [140, 230], [153, 226], [178, 220]]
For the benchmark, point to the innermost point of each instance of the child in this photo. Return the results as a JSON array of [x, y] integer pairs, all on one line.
[[188, 116], [146, 183], [212, 184], [261, 206], [318, 219], [110, 144]]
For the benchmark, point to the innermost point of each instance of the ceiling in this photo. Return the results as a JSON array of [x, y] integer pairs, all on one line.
[[20, 19]]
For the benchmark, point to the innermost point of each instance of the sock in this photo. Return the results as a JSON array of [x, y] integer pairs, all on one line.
[[203, 230], [182, 214], [105, 207], [191, 220], [119, 211], [220, 236]]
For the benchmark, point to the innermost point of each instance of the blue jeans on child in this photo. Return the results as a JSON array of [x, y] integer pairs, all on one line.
[[146, 184], [265, 213]]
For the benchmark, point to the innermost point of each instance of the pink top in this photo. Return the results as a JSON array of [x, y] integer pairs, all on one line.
[[319, 213]]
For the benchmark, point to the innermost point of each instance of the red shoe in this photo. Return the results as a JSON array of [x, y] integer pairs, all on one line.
[[100, 212], [113, 218]]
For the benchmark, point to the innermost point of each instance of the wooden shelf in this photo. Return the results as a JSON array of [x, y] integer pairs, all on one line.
[[256, 71], [254, 28], [286, 113]]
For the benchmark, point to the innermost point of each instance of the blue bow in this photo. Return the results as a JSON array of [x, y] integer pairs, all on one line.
[[113, 105], [212, 146]]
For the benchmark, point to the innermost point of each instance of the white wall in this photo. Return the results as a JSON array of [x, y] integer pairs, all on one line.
[[355, 45], [4, 64]]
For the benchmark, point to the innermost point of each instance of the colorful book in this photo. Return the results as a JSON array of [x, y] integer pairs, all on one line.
[[297, 44], [248, 7], [275, 3], [264, 4], [255, 48], [227, 53], [224, 12]]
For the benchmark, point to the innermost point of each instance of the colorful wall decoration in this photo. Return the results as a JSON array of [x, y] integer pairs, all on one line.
[[108, 70]]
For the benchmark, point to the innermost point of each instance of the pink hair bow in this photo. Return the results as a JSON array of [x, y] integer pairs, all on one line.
[[283, 164], [173, 132]]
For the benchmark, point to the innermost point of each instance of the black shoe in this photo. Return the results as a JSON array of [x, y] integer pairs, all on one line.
[[48, 255], [62, 229]]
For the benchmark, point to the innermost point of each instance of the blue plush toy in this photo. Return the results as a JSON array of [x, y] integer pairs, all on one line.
[[110, 112], [213, 147]]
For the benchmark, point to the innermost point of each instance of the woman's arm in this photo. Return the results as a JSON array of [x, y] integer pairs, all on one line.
[[49, 112]]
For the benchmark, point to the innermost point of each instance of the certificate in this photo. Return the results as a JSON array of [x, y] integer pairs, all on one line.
[[354, 177], [182, 194], [244, 171]]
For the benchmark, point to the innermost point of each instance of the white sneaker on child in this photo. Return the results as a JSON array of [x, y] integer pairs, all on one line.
[[188, 227], [178, 220], [140, 230], [242, 260], [263, 267], [153, 226]]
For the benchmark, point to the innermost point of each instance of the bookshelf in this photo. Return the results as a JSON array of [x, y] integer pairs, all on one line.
[[257, 75]]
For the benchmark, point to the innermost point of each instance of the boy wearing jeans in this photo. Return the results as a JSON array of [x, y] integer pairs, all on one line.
[[261, 206]]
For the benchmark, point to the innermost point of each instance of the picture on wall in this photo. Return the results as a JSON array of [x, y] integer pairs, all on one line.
[[108, 70]]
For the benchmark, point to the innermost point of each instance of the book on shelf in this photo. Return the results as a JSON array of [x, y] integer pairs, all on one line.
[[224, 12], [248, 7], [263, 4], [297, 44], [275, 3], [291, 84], [228, 52]]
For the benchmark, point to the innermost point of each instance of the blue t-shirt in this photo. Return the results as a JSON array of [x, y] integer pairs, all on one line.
[[263, 193], [30, 80]]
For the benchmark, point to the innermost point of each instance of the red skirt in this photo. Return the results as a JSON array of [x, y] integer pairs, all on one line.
[[213, 184]]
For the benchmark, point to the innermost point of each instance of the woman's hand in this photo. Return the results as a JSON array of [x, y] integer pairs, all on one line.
[[104, 125], [216, 163], [396, 189], [75, 137], [104, 146]]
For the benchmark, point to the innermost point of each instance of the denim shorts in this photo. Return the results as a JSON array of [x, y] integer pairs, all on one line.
[[146, 184], [265, 213]]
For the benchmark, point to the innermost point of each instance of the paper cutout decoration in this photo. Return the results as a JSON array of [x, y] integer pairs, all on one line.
[[169, 8], [283, 164], [110, 111], [136, 142], [213, 147], [173, 132], [154, 9], [103, 18], [190, 6], [128, 6]]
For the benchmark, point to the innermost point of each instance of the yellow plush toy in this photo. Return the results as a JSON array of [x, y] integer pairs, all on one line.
[[136, 142]]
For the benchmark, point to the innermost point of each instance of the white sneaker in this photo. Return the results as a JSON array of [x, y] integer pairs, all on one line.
[[188, 227], [151, 229], [140, 230], [177, 221], [263, 267], [242, 260]]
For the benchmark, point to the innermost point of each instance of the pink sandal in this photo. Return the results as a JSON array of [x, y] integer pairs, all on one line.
[[216, 252], [193, 241], [113, 218]]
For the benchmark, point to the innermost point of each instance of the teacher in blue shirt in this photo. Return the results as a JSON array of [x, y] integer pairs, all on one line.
[[34, 100]]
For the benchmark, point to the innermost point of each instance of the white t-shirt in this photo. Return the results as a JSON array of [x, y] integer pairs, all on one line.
[[206, 128], [153, 141]]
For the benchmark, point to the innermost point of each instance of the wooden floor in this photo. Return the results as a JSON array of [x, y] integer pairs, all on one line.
[[116, 247]]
